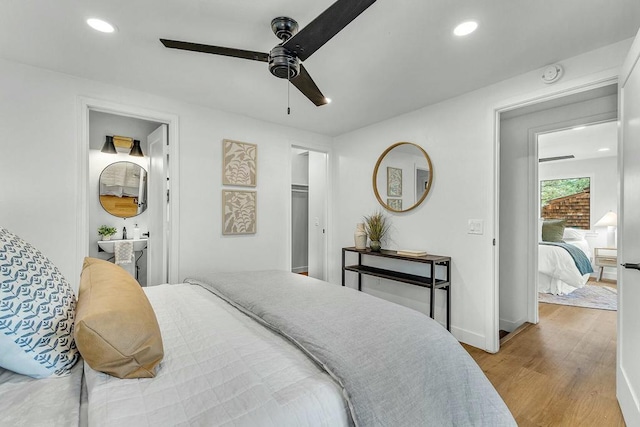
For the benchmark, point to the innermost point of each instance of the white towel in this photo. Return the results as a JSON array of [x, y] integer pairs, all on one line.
[[124, 255]]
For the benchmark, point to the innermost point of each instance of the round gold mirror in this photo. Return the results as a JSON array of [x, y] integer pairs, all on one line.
[[123, 189], [402, 177]]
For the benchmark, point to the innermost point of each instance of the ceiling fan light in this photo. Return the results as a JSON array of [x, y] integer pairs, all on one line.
[[136, 150], [465, 28], [108, 146], [328, 100], [100, 25]]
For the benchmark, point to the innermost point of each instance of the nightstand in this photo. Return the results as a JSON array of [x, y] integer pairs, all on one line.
[[605, 257]]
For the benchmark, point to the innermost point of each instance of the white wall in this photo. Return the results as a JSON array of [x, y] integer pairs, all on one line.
[[458, 135], [604, 198], [299, 166], [39, 168]]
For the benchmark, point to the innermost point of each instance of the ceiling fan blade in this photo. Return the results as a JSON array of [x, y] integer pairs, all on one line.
[[307, 86], [325, 26], [216, 50]]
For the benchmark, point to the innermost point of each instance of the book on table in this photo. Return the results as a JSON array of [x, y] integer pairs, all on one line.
[[411, 252]]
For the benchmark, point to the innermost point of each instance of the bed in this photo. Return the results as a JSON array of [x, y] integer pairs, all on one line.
[[564, 266], [266, 348]]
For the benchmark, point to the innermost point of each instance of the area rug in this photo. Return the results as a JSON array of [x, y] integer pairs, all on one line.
[[589, 296]]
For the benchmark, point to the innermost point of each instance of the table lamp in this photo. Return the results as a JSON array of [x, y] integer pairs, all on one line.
[[609, 220]]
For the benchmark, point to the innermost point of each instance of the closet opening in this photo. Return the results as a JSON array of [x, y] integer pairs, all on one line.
[[309, 205]]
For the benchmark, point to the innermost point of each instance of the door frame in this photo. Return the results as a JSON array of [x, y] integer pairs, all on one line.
[[87, 104], [605, 78], [328, 205]]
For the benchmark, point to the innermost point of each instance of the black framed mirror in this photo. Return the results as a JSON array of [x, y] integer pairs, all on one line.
[[123, 189], [402, 177]]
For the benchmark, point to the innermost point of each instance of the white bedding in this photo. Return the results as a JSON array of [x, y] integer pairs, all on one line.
[[29, 402], [557, 271], [220, 369]]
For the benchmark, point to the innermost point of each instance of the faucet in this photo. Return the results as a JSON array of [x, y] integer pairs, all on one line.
[[124, 233]]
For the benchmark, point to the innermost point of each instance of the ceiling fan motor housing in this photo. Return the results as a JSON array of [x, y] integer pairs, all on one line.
[[283, 64], [284, 27]]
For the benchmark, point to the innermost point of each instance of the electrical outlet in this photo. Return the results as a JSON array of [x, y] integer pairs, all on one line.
[[476, 226]]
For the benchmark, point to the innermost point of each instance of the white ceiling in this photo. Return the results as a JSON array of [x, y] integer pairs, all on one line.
[[396, 57], [583, 143]]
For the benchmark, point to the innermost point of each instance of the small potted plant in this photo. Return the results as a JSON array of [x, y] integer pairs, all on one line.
[[377, 225], [106, 232]]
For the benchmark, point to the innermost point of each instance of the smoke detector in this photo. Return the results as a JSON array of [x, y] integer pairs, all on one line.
[[552, 73]]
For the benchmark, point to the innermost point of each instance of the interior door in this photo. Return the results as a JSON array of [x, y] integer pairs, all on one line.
[[317, 214], [157, 247], [628, 368]]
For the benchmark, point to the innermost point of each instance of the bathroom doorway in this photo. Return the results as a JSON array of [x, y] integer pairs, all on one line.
[[112, 176], [98, 119]]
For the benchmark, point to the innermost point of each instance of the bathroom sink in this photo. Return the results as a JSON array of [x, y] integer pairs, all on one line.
[[109, 245]]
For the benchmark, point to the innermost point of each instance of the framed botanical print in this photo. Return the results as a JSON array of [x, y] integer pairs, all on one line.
[[240, 163], [395, 204], [239, 212], [394, 182]]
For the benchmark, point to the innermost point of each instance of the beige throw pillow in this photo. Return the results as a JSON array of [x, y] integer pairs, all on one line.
[[116, 329]]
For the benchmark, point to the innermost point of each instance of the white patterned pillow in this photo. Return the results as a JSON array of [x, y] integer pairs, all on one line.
[[37, 310]]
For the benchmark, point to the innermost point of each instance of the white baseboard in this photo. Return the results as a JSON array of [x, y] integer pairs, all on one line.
[[468, 337], [510, 326], [628, 402]]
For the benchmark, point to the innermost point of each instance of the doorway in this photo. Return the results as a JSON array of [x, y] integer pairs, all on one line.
[[518, 224], [309, 206], [578, 180], [113, 174], [98, 119]]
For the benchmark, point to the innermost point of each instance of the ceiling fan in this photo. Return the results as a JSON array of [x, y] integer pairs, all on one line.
[[284, 59]]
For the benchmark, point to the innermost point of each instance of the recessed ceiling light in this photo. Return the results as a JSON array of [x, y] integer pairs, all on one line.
[[579, 127], [465, 28], [604, 149], [100, 25]]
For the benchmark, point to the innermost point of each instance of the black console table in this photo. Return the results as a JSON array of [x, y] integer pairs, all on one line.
[[428, 281]]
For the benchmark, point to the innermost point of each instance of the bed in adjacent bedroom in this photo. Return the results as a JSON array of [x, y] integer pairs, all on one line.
[[564, 259], [264, 348]]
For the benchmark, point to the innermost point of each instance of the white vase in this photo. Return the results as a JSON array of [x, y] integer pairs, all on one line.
[[360, 236]]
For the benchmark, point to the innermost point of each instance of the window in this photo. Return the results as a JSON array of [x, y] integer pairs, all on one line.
[[568, 199]]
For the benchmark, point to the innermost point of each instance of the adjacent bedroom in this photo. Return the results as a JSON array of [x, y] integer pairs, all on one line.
[[578, 203]]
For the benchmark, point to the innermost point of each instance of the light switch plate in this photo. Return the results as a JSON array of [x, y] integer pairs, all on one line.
[[476, 226]]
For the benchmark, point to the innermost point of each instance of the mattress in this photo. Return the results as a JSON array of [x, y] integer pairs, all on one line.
[[29, 402], [221, 368], [557, 270]]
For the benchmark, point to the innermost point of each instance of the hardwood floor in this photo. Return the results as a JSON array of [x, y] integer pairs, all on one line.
[[560, 372]]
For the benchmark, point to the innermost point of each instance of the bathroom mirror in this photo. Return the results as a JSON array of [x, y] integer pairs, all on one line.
[[123, 189], [402, 177]]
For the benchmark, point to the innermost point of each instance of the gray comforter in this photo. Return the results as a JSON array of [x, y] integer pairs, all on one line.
[[397, 367]]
